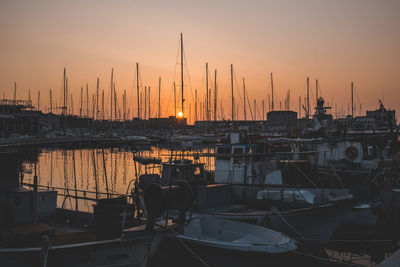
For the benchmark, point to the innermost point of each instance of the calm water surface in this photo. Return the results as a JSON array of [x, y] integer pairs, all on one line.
[[114, 168]]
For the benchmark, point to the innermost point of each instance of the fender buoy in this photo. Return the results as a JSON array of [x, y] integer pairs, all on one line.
[[351, 152]]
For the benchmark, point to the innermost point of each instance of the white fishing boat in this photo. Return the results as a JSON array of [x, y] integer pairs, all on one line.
[[210, 231]]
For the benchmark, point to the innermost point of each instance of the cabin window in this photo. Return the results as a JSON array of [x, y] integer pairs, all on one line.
[[237, 151], [225, 151]]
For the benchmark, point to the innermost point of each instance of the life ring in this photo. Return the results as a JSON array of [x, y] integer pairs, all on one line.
[[351, 152]]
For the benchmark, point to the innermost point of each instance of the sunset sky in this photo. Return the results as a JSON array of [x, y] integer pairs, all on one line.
[[335, 42]]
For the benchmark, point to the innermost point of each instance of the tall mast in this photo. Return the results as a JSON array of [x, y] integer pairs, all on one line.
[[111, 93], [159, 97], [233, 100], [255, 109], [137, 88], [38, 100], [195, 105], [145, 102], [149, 103], [80, 110], [51, 102], [102, 104], [272, 93], [308, 97], [115, 103], [175, 99], [15, 91], [299, 107], [64, 88], [207, 96], [66, 94], [124, 105], [87, 101], [316, 92], [215, 95], [263, 111], [183, 110], [352, 100], [244, 100], [97, 99]]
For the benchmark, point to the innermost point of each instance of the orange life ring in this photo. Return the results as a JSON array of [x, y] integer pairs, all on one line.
[[351, 152]]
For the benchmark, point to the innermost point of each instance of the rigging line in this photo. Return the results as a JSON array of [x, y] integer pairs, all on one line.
[[188, 248], [187, 70], [308, 178], [335, 172]]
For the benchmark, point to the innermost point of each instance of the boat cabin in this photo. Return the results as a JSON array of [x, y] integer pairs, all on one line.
[[182, 170]]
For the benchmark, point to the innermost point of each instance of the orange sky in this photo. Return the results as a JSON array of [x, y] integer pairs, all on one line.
[[334, 41]]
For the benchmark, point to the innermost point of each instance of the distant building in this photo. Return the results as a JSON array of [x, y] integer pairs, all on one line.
[[18, 117], [285, 119], [364, 123], [384, 118]]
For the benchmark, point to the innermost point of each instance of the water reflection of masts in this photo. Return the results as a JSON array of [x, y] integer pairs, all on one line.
[[95, 175], [105, 173], [76, 192]]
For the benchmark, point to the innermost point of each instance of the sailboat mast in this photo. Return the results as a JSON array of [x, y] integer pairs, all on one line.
[[64, 88], [244, 100], [308, 97], [15, 92], [215, 95], [80, 111], [87, 101], [207, 96], [102, 104], [233, 100], [111, 94], [183, 111], [195, 105], [316, 92], [51, 102], [137, 88], [272, 93], [352, 100], [175, 99], [149, 104], [159, 97], [97, 99]]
